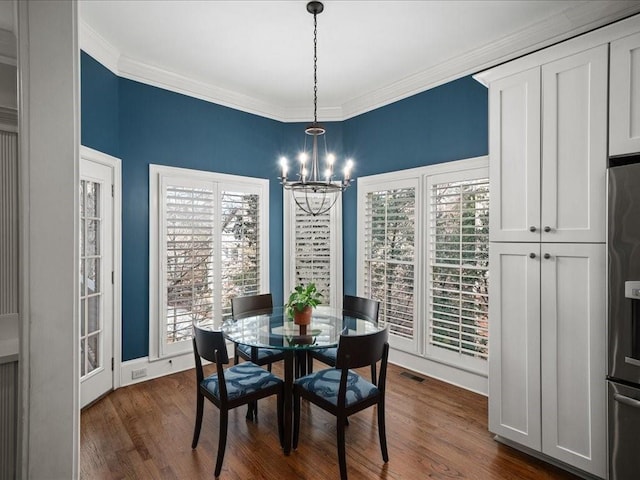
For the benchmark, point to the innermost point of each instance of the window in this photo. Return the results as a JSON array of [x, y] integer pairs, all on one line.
[[458, 261], [389, 259], [206, 247], [423, 237], [313, 249]]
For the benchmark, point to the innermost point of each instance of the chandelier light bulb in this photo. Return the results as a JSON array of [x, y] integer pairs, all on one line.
[[331, 159], [303, 157]]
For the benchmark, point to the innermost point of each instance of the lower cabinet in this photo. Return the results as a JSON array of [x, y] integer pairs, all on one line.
[[547, 367]]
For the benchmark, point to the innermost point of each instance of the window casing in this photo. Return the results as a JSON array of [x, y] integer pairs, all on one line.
[[207, 245], [313, 250], [423, 253]]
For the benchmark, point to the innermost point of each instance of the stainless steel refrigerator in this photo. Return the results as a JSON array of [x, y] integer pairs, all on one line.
[[623, 367]]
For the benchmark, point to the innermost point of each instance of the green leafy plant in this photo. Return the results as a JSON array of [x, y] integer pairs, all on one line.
[[302, 297]]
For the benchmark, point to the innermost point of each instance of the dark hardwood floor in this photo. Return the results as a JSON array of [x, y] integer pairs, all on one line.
[[434, 431]]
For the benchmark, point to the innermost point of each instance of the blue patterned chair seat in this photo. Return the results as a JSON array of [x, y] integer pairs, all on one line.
[[262, 352], [241, 379], [327, 355], [326, 383]]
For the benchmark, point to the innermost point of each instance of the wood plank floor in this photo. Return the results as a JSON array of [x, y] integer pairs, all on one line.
[[434, 431]]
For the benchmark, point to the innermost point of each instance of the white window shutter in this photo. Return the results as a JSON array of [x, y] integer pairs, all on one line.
[[390, 256], [458, 260], [240, 246], [188, 236]]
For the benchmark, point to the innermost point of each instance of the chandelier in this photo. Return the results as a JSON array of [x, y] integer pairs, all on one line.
[[315, 192]]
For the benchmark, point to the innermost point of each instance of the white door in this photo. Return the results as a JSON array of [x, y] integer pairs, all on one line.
[[573, 279], [574, 147], [514, 345], [96, 280]]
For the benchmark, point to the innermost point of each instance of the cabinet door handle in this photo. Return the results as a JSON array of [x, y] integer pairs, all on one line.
[[532, 229], [532, 255], [630, 402], [547, 229], [547, 256]]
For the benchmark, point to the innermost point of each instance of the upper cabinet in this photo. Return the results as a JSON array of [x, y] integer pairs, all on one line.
[[548, 151], [624, 107]]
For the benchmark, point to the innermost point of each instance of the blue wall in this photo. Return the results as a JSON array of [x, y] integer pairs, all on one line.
[[446, 123], [142, 124]]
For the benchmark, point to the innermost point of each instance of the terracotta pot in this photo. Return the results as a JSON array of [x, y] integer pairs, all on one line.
[[302, 317]]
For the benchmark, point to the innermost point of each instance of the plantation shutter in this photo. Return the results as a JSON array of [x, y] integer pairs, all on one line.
[[189, 242], [312, 252], [389, 253], [458, 252], [239, 242]]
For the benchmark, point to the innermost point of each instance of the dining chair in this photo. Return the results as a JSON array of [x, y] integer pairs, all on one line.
[[342, 392], [251, 305], [243, 307], [231, 387], [358, 307]]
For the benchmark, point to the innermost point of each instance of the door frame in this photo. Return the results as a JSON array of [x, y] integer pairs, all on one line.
[[114, 163]]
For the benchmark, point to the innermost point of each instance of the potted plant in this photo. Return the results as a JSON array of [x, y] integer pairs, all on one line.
[[301, 303]]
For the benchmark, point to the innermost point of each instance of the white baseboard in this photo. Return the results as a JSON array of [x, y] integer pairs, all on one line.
[[155, 369], [468, 380], [158, 368]]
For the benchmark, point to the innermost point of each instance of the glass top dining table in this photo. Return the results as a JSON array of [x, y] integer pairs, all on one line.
[[273, 329]]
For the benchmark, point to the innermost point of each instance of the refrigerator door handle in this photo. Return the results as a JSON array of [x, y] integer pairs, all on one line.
[[630, 402]]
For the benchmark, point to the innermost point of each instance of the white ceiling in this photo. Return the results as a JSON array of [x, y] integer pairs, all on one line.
[[258, 55]]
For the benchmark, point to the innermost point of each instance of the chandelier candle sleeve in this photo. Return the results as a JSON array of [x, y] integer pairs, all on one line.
[[312, 191]]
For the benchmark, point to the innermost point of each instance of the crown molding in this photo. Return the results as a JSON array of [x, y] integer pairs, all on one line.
[[575, 20], [158, 77], [95, 45]]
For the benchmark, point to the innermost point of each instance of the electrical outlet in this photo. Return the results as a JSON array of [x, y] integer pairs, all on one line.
[[141, 372]]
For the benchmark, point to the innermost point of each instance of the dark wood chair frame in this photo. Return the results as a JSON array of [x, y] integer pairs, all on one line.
[[211, 346], [358, 307], [252, 305], [243, 307], [354, 351]]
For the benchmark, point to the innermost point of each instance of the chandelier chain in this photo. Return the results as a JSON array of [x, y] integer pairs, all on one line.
[[315, 68]]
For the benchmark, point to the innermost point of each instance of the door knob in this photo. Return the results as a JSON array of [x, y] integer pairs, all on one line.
[[532, 229], [547, 229], [547, 256], [532, 255]]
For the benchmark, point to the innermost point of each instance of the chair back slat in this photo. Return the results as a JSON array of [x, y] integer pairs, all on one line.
[[206, 342], [251, 304], [355, 351], [361, 307]]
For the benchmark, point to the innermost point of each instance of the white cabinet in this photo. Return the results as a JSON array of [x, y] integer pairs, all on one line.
[[547, 160], [548, 151], [546, 364], [514, 348], [624, 107]]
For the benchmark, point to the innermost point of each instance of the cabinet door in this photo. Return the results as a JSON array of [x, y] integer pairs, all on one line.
[[573, 335], [514, 350], [574, 147], [624, 106], [514, 157]]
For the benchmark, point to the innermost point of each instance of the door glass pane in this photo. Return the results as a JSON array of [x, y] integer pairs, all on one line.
[[82, 317], [93, 314], [93, 237], [82, 362], [90, 280], [92, 353]]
